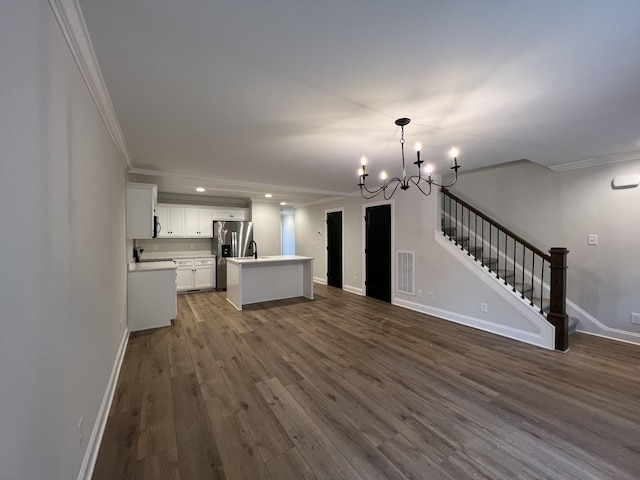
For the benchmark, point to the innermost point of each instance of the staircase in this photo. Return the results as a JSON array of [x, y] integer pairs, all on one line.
[[536, 276]]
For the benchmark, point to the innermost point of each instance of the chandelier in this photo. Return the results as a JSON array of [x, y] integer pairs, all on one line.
[[389, 187]]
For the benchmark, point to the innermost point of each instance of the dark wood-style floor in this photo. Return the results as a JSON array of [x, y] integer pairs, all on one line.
[[345, 387]]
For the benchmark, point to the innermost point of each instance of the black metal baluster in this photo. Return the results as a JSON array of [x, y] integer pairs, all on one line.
[[469, 231], [533, 273], [506, 255], [462, 229], [490, 244], [482, 240], [498, 254], [515, 250], [542, 288], [524, 260], [475, 240]]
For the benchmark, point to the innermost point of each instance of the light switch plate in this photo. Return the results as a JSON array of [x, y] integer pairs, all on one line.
[[592, 239]]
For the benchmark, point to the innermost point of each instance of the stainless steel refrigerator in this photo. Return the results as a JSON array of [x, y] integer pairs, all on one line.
[[230, 239]]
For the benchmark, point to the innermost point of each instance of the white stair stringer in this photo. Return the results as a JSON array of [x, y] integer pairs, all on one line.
[[545, 337]]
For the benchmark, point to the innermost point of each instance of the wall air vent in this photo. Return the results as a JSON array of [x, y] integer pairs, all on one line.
[[406, 272]]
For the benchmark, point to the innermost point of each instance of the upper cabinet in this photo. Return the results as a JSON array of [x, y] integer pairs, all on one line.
[[140, 203], [198, 222], [193, 221], [231, 213], [171, 220]]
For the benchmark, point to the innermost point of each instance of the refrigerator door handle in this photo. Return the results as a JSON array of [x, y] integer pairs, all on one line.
[[234, 244]]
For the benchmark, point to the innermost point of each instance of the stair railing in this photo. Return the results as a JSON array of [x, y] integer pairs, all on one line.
[[512, 259]]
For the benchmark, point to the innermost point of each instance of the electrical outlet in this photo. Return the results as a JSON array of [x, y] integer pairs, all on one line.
[[483, 307], [192, 246], [430, 295], [81, 429], [419, 293], [592, 239], [155, 246], [635, 318]]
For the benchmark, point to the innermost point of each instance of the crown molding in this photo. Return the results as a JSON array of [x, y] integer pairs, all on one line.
[[74, 29], [228, 184], [597, 161]]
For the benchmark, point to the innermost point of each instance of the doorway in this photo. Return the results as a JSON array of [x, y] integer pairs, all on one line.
[[378, 252], [334, 249]]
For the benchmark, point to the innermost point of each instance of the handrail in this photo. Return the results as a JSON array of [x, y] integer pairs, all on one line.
[[517, 262], [517, 237]]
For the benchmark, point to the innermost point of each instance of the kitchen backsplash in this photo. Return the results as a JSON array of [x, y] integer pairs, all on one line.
[[175, 245]]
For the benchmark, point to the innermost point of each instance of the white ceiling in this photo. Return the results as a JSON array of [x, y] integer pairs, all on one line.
[[244, 97]]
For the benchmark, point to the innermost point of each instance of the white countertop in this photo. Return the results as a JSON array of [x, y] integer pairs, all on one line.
[[266, 259], [150, 266], [187, 254]]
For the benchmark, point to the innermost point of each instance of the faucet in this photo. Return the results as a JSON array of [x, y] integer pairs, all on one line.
[[254, 247]]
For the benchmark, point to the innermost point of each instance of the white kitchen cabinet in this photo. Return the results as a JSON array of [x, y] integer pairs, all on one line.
[[196, 273], [151, 295], [198, 222], [171, 220], [184, 273], [231, 213], [140, 204]]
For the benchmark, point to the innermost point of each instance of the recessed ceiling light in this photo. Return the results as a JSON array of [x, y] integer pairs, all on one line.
[[283, 203], [199, 189], [268, 195]]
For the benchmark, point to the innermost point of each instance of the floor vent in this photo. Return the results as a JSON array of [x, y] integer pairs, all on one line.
[[406, 276]]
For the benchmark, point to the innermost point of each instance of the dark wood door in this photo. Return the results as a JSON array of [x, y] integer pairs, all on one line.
[[334, 249], [378, 252]]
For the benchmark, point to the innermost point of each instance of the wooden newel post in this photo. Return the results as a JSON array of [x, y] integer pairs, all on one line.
[[558, 297]]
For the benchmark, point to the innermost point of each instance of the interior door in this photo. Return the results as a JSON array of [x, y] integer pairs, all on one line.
[[378, 252], [334, 249]]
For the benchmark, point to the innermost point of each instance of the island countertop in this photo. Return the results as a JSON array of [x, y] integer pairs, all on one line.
[[267, 259], [253, 280]]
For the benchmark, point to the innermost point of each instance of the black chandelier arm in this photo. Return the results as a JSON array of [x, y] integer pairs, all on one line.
[[421, 180], [455, 168], [383, 188]]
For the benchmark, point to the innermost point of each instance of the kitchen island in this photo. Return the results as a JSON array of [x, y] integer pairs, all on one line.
[[253, 280]]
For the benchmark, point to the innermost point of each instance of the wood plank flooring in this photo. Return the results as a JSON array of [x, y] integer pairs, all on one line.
[[346, 387]]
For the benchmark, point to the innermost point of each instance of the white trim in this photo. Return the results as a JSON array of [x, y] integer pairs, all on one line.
[[596, 161], [546, 336], [326, 240], [495, 328], [74, 29], [322, 281], [93, 446], [592, 326], [238, 185], [352, 289]]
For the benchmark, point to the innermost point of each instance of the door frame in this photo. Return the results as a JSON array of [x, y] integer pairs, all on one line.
[[326, 243], [393, 245]]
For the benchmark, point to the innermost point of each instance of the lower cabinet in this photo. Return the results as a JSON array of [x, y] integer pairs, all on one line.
[[196, 273], [151, 298]]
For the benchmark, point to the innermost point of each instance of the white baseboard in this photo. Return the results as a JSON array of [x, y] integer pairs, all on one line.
[[590, 325], [320, 280], [503, 330], [93, 446], [352, 289]]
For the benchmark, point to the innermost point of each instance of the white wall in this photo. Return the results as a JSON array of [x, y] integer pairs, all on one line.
[[267, 230], [311, 232], [560, 210], [62, 307]]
